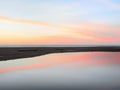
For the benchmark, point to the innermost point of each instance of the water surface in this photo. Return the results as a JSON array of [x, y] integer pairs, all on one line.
[[63, 70]]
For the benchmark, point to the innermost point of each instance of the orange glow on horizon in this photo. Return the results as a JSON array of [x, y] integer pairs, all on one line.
[[66, 34]]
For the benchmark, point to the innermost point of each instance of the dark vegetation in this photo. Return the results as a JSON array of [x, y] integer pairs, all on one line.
[[8, 53]]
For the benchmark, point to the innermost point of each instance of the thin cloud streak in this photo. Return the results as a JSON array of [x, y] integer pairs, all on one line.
[[30, 22]]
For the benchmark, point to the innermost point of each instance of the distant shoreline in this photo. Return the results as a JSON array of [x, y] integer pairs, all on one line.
[[9, 53], [62, 45]]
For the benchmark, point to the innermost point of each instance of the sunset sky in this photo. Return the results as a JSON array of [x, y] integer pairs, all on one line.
[[59, 22]]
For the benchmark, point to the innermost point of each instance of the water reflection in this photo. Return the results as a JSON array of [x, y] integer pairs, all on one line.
[[84, 59], [73, 70]]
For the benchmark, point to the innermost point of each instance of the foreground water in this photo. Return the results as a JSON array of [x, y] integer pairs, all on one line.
[[90, 70]]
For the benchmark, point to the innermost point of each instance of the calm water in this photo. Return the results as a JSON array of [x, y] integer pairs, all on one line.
[[64, 71]]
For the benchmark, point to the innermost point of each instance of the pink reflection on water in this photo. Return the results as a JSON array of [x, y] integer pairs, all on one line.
[[85, 59]]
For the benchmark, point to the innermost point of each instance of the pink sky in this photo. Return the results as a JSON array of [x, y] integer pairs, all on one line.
[[60, 22]]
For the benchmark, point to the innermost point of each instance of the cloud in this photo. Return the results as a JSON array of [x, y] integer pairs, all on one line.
[[97, 32], [30, 22], [95, 36], [85, 32]]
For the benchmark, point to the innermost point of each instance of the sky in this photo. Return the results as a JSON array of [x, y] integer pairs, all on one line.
[[59, 22]]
